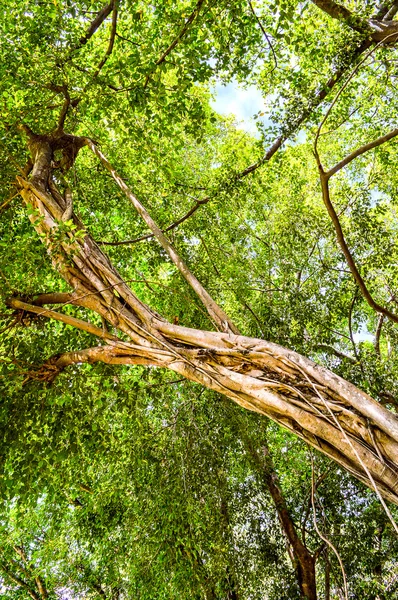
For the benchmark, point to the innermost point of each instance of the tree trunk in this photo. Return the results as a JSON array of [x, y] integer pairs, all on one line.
[[326, 411], [327, 575], [303, 561]]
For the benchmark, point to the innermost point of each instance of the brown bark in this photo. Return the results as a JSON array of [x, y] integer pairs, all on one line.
[[327, 575], [323, 409], [19, 582], [378, 31], [324, 179], [303, 561]]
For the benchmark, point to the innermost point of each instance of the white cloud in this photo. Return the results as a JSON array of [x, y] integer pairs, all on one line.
[[243, 103]]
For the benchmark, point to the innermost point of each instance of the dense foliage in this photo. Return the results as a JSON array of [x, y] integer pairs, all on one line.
[[131, 481]]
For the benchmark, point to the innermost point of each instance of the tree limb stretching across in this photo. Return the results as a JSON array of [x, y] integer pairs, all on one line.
[[323, 409]]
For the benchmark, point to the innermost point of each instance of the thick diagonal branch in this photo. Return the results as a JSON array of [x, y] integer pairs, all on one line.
[[99, 19], [220, 318], [324, 410]]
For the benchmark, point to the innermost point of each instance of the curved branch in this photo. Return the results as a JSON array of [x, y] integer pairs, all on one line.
[[111, 39], [180, 35], [148, 236], [336, 352], [343, 245], [378, 142]]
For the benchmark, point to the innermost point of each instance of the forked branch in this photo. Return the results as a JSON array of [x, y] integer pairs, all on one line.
[[344, 247], [326, 175]]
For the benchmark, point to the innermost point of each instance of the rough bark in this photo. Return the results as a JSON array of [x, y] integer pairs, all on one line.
[[377, 30], [303, 561], [326, 411]]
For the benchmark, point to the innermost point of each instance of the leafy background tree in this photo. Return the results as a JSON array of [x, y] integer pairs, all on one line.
[[131, 482]]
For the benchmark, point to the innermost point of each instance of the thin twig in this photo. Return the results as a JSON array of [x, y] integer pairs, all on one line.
[[323, 537], [180, 35], [265, 35], [6, 202]]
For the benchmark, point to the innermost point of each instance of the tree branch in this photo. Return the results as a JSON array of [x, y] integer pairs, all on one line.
[[110, 355], [99, 590], [181, 34], [378, 334], [343, 245], [111, 39], [320, 96], [378, 142], [330, 84], [392, 12], [383, 10], [265, 35], [305, 563], [67, 215], [99, 19], [341, 13], [378, 31], [67, 319], [337, 352], [39, 583], [216, 313], [19, 582], [61, 89], [55, 298]]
